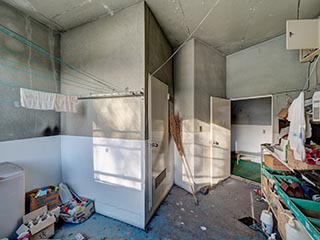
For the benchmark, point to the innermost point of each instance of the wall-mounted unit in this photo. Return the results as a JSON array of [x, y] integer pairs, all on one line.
[[304, 35], [316, 106]]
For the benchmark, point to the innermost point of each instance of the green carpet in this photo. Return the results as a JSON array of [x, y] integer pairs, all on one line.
[[248, 170]]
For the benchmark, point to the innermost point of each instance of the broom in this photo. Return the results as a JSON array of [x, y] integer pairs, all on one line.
[[175, 131]]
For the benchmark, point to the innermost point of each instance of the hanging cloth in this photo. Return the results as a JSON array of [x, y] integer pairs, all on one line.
[[37, 100], [65, 103], [47, 101], [296, 116]]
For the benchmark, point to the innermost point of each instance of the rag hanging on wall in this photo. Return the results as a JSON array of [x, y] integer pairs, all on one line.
[[32, 99]]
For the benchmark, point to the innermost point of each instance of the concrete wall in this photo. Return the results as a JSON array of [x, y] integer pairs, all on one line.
[[248, 138], [112, 48], [20, 67], [256, 111], [199, 74], [106, 136], [264, 69], [267, 68], [20, 129], [209, 79], [184, 106], [157, 51]]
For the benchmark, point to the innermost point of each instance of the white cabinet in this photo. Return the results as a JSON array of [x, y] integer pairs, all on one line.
[[303, 34]]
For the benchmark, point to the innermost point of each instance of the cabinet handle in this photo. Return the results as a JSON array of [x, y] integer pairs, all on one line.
[[154, 145]]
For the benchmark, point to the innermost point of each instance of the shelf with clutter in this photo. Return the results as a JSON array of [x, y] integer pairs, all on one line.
[[290, 174], [293, 195]]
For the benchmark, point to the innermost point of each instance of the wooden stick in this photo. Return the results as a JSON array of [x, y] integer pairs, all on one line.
[[175, 131]]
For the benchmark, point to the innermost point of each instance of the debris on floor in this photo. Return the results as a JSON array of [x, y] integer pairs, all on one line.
[[44, 210], [74, 208], [170, 222], [79, 236], [204, 190], [203, 228]]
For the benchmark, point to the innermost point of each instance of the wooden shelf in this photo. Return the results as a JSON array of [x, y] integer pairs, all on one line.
[[308, 55], [280, 194]]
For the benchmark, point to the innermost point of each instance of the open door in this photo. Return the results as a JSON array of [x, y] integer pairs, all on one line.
[[220, 124], [158, 142]]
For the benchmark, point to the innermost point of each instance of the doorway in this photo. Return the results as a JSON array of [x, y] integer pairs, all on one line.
[[251, 125]]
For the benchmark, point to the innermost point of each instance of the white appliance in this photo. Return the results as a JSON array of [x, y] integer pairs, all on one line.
[[316, 106], [12, 201]]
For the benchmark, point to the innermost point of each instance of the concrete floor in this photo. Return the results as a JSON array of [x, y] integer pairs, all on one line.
[[216, 217]]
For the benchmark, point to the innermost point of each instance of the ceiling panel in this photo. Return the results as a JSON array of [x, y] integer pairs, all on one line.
[[232, 26]]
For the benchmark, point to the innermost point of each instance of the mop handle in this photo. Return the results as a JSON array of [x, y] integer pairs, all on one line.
[[252, 209]]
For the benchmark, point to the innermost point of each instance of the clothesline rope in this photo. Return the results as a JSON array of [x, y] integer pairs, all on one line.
[[48, 67], [46, 72], [43, 51]]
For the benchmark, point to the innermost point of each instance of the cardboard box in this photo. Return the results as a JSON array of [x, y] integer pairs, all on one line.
[[283, 114], [43, 229], [50, 200], [44, 234], [274, 163], [42, 224]]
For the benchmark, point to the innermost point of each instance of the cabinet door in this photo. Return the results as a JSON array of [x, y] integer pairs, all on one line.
[[159, 142], [220, 139], [303, 34]]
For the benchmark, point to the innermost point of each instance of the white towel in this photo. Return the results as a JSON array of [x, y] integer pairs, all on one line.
[[65, 103], [37, 100], [296, 116]]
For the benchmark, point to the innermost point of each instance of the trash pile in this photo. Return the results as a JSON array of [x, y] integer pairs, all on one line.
[[74, 208], [77, 212], [46, 205]]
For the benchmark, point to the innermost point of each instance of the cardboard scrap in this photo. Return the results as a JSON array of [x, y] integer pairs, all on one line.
[[283, 114]]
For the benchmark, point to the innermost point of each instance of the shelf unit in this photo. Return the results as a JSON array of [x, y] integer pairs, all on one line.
[[270, 187], [307, 55]]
